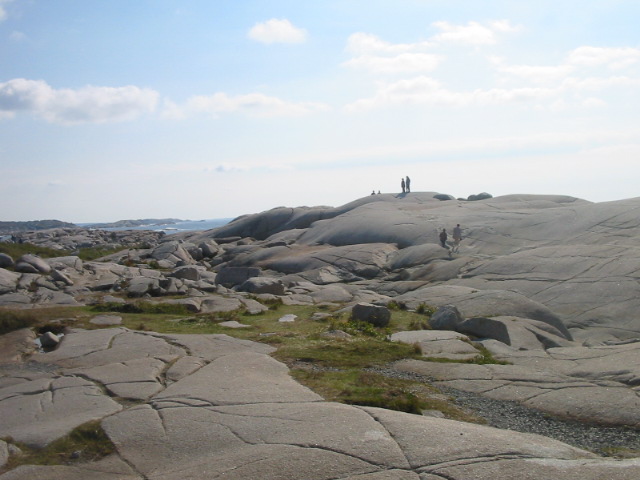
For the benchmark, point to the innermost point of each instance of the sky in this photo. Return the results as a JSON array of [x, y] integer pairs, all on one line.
[[201, 109]]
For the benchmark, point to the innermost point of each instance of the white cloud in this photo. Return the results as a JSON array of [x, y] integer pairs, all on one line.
[[427, 91], [3, 11], [366, 43], [16, 36], [403, 63], [614, 58], [473, 33], [277, 31], [68, 106], [251, 104], [534, 73]]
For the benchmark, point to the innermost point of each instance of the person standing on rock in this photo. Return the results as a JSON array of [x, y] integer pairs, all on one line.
[[408, 184], [402, 185], [457, 237], [443, 238]]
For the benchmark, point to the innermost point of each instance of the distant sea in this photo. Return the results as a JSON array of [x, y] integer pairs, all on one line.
[[184, 226]]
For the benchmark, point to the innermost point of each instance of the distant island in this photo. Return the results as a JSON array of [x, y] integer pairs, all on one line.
[[7, 228], [143, 222]]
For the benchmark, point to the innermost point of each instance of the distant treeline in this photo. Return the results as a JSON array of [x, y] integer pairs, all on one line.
[[7, 228]]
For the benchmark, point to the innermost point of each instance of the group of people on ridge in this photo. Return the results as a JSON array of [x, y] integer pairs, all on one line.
[[405, 183], [457, 238]]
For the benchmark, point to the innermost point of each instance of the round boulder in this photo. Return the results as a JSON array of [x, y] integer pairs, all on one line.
[[376, 315], [32, 264], [6, 261], [446, 317]]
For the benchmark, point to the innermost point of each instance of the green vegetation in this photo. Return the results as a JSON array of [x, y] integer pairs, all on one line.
[[366, 388], [94, 253], [142, 307], [16, 250], [16, 319], [85, 443], [335, 367]]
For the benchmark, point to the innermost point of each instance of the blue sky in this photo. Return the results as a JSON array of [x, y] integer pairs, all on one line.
[[209, 109]]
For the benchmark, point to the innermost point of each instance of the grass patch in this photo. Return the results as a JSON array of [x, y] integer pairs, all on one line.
[[85, 443], [357, 387], [11, 320], [16, 250], [359, 352], [94, 253], [142, 307]]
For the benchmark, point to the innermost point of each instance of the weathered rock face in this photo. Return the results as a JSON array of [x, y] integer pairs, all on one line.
[[446, 317], [376, 315], [215, 404], [6, 261]]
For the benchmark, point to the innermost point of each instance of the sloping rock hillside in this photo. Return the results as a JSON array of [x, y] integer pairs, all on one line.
[[549, 284]]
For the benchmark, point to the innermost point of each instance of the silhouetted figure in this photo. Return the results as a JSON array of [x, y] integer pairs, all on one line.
[[402, 185], [443, 238], [373, 192], [378, 192], [457, 237], [408, 184]]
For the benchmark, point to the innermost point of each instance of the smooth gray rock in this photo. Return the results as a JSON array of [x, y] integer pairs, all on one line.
[[4, 453], [6, 261], [8, 281], [49, 340], [38, 264], [232, 276], [187, 272], [39, 411], [59, 276], [439, 344], [271, 285], [106, 320], [16, 344], [519, 333], [376, 315], [446, 317]]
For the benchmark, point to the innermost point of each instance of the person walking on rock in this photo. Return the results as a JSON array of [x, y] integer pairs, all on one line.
[[402, 184], [443, 238], [457, 237], [408, 184]]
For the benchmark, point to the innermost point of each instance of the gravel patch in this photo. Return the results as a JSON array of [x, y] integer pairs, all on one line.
[[601, 439]]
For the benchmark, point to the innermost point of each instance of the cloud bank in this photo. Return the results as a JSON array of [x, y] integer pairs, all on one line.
[[73, 106], [277, 31]]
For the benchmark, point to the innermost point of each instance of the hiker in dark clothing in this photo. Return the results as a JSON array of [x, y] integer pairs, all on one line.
[[443, 238], [402, 184]]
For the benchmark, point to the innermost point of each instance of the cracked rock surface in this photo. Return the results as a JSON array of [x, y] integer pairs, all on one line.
[[214, 407]]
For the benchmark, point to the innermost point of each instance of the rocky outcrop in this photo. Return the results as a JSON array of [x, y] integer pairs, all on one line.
[[214, 404]]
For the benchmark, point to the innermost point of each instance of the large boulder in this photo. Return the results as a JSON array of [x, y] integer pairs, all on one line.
[[376, 315], [271, 285], [172, 253], [232, 276], [446, 317], [6, 261], [519, 333], [32, 264], [8, 281]]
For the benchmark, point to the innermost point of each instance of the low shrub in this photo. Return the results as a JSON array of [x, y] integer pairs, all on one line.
[[142, 307], [11, 320]]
